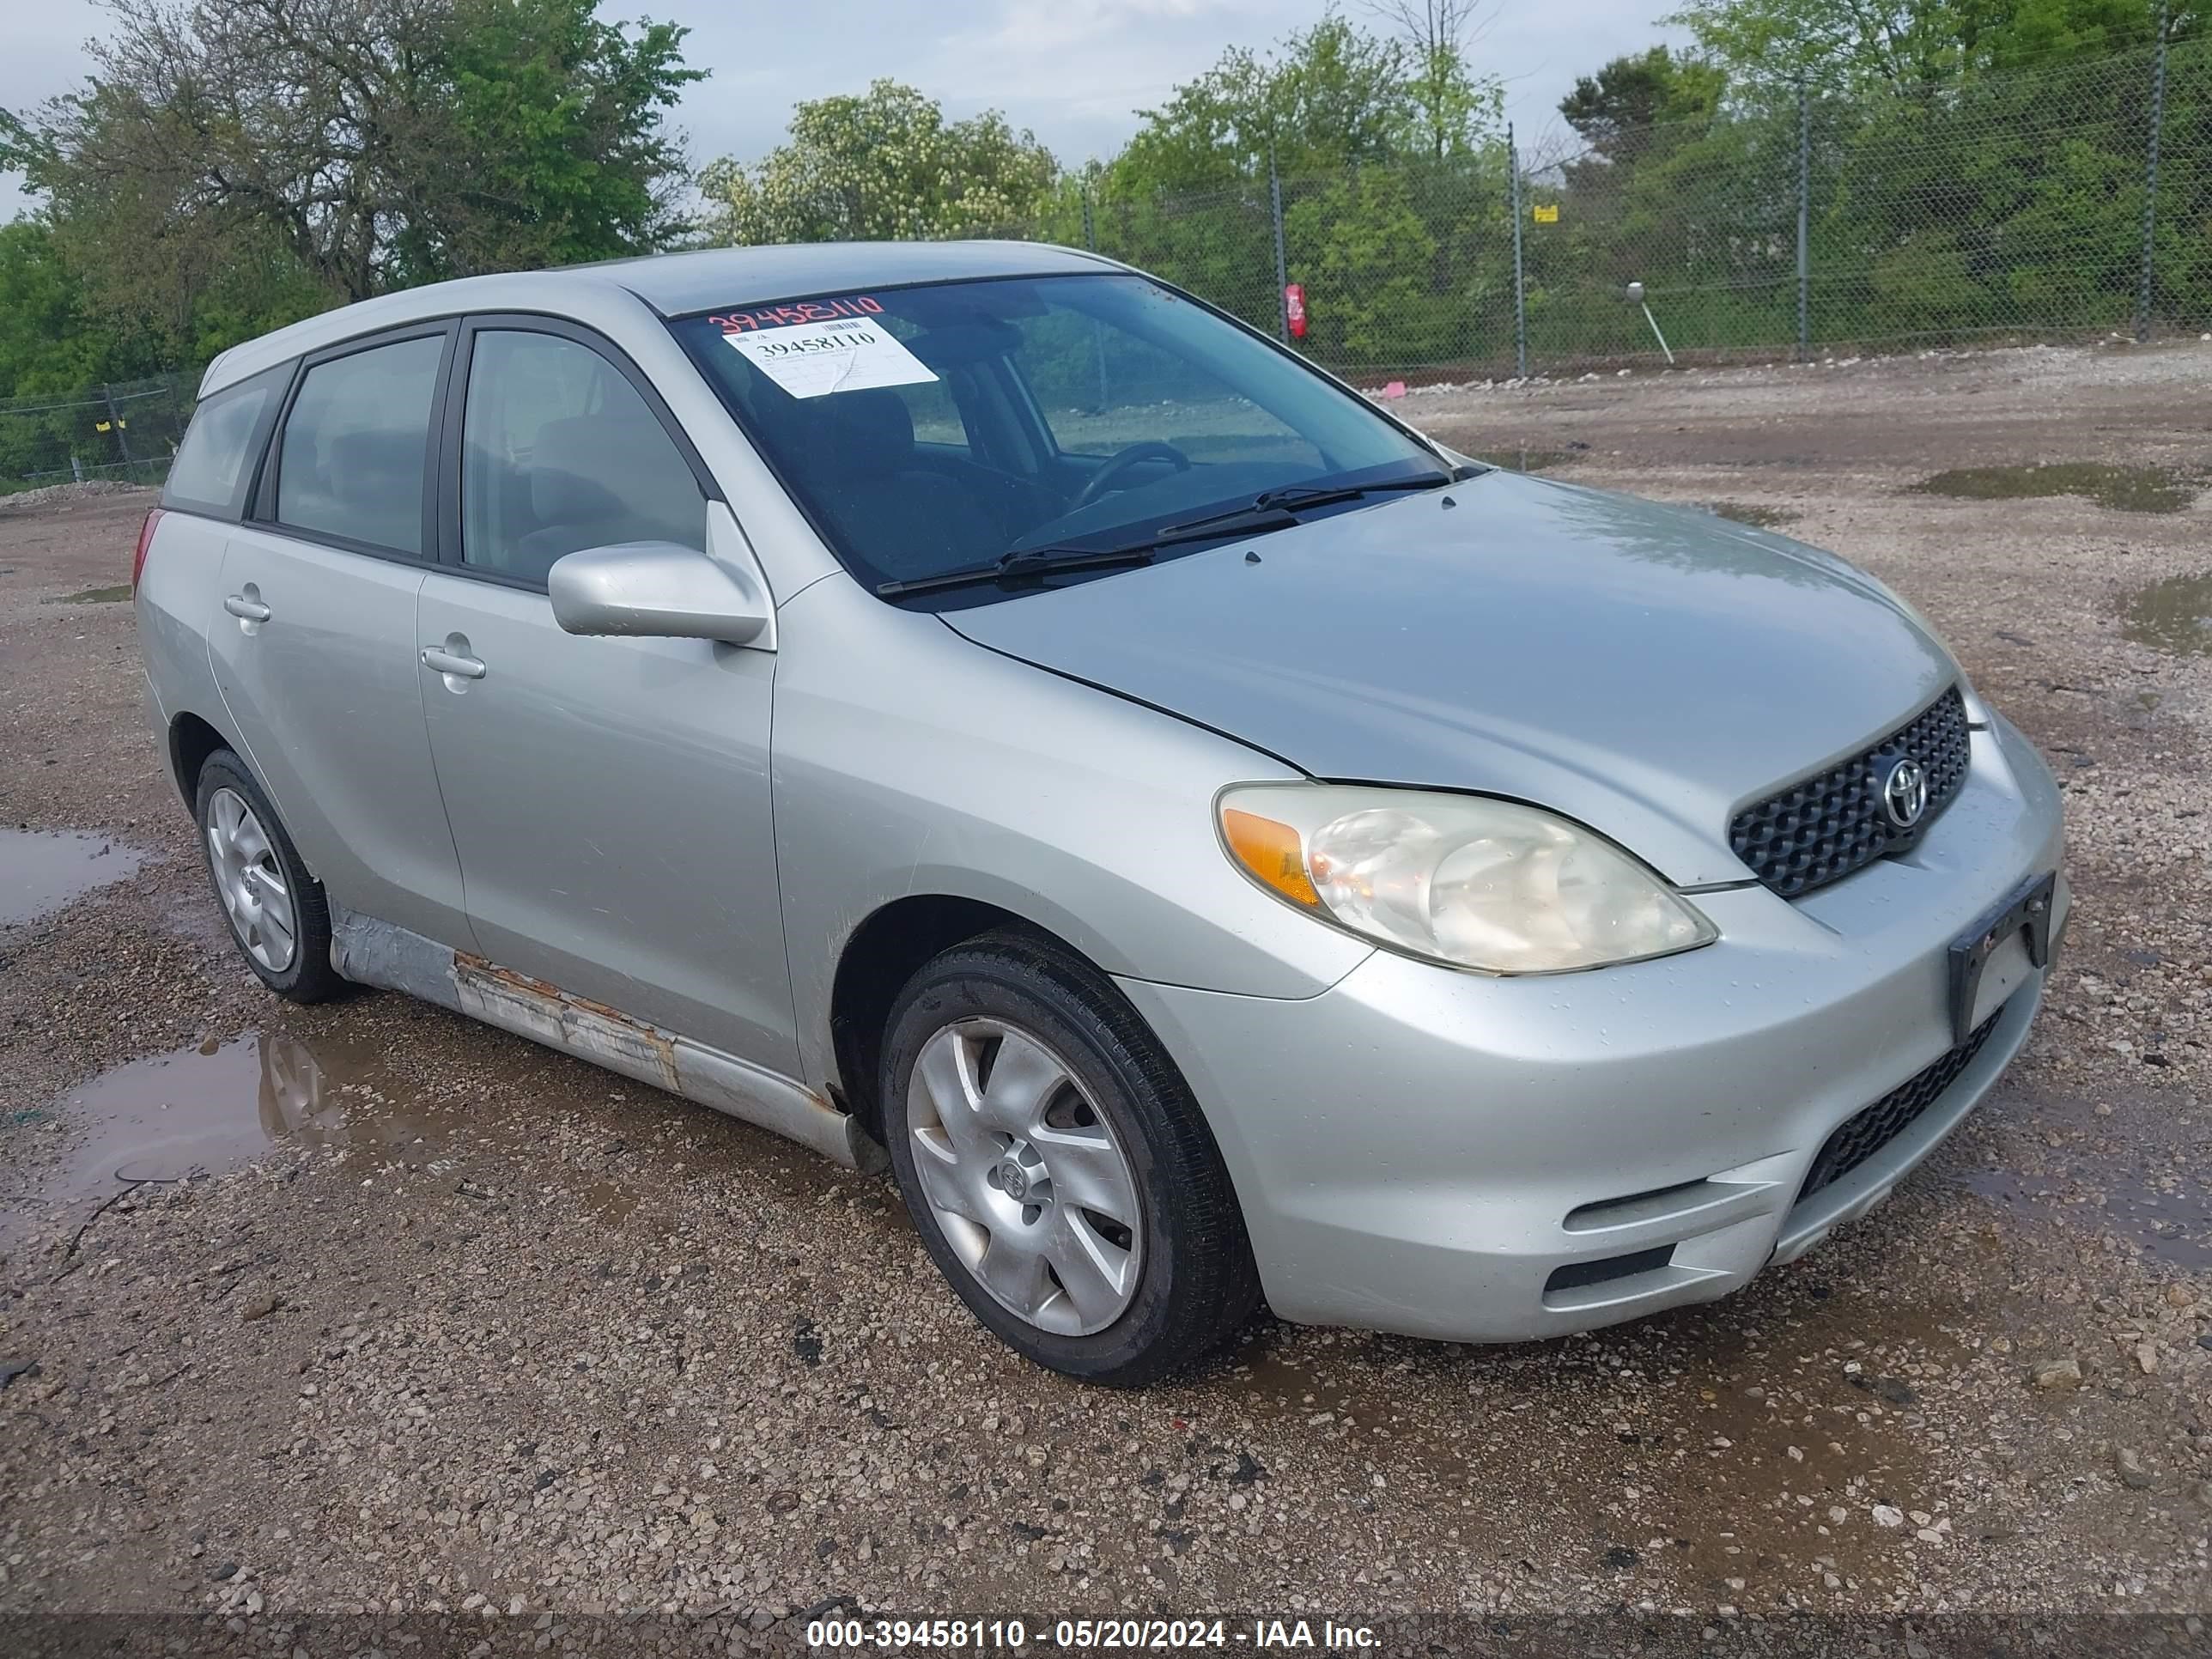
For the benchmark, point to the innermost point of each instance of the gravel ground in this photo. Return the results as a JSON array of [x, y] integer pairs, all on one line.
[[481, 1328]]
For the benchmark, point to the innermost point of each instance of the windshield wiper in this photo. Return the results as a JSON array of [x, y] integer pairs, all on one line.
[[1271, 509], [1027, 563], [1289, 496], [1030, 562]]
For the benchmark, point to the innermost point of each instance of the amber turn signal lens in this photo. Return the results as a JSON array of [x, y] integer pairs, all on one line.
[[1273, 852]]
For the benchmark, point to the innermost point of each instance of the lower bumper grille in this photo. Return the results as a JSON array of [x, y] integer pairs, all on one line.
[[1864, 1134], [1580, 1275]]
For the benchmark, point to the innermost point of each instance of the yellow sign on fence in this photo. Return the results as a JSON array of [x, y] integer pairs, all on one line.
[[1548, 214]]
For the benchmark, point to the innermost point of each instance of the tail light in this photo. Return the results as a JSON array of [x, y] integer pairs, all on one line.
[[145, 541]]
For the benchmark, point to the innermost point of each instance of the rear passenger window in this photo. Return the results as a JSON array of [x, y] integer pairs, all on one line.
[[560, 452], [208, 474], [357, 443]]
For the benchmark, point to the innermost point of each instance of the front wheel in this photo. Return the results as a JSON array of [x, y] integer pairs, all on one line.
[[1057, 1169]]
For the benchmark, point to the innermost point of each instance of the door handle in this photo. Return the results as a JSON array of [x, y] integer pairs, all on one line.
[[246, 610], [439, 660]]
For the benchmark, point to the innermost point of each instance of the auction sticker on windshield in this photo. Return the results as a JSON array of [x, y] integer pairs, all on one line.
[[813, 360]]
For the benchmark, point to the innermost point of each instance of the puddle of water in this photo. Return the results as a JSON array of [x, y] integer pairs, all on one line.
[[1277, 1374], [610, 1201], [2126, 1167], [2174, 1226], [41, 870], [114, 595], [1759, 518], [212, 1109], [2127, 489], [2174, 615], [1383, 1390], [1772, 1484], [1750, 1441], [209, 1110]]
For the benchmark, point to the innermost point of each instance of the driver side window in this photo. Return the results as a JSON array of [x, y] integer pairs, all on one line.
[[559, 453]]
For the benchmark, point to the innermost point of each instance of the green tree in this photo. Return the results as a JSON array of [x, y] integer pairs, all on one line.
[[1976, 167], [376, 142], [1454, 106], [44, 343], [54, 337], [1637, 115], [885, 165], [1367, 276], [1616, 111], [1393, 179], [564, 152], [1331, 97], [1899, 45]]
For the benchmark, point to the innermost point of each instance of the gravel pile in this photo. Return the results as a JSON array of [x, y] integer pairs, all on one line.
[[52, 495]]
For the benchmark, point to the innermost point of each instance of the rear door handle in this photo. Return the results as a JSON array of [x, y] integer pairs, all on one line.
[[439, 660], [246, 610]]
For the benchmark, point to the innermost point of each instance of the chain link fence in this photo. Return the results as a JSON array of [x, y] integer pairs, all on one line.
[[125, 432], [2071, 201]]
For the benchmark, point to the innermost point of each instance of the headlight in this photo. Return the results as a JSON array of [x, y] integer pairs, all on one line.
[[1488, 884]]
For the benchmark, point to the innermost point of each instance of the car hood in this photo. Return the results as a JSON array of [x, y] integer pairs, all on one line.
[[1646, 669]]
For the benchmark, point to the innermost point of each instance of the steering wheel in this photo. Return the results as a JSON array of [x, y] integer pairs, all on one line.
[[1121, 460]]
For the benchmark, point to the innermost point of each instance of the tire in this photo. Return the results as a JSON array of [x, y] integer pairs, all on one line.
[[1008, 1059], [249, 855]]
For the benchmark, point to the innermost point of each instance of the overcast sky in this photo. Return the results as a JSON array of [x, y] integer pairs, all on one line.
[[1073, 71]]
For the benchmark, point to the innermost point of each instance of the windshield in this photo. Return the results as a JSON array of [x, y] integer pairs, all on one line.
[[937, 429]]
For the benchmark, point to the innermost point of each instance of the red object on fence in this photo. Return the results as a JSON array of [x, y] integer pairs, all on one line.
[[1294, 309]]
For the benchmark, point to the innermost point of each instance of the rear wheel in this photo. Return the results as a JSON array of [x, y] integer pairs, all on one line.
[[279, 916], [1057, 1169]]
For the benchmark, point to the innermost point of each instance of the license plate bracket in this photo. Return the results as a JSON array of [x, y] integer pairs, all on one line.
[[2026, 910]]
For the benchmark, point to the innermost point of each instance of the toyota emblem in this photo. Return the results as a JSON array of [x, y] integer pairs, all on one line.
[[1904, 793]]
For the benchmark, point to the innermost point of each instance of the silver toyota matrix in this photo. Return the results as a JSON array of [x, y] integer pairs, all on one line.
[[978, 706]]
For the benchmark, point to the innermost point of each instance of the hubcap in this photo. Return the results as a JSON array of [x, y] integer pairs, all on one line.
[[250, 882], [1024, 1177]]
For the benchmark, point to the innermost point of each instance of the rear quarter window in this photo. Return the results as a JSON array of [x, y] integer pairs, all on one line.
[[213, 466]]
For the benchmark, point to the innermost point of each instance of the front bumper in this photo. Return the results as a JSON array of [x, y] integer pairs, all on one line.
[[1449, 1156]]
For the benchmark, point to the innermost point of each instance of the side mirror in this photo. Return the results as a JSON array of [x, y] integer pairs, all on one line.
[[660, 590]]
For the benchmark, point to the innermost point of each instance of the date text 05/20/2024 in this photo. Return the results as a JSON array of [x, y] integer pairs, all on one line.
[[1015, 1635]]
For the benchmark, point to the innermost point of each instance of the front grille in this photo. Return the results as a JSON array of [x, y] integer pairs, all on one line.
[[1865, 1133], [1821, 829]]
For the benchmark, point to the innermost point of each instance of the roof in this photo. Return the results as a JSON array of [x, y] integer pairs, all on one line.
[[673, 284]]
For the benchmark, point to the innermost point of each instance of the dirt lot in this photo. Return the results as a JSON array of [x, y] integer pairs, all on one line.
[[481, 1327]]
